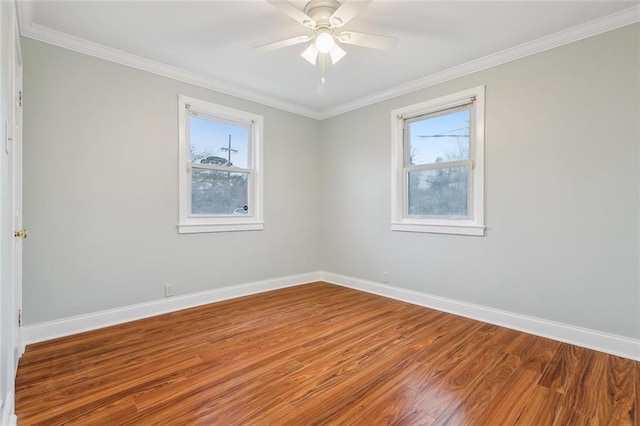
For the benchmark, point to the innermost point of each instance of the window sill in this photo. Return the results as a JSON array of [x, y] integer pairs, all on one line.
[[455, 229], [196, 228]]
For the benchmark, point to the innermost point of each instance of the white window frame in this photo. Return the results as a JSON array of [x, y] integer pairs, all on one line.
[[188, 223], [400, 220]]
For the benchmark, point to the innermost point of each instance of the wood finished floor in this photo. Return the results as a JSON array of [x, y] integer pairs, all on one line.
[[320, 354]]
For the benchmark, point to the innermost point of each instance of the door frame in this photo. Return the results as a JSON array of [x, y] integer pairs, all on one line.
[[15, 159], [10, 199]]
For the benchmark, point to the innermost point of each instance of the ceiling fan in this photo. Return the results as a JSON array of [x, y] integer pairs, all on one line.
[[325, 18]]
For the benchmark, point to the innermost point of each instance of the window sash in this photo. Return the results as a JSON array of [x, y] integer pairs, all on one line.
[[219, 168], [196, 112], [249, 125], [440, 111], [191, 111], [439, 166], [468, 105], [474, 225], [198, 223], [250, 188], [469, 163]]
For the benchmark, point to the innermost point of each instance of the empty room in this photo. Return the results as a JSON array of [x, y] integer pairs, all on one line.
[[296, 212]]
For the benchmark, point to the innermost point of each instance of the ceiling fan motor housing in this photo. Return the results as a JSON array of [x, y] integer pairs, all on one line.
[[321, 11], [323, 18]]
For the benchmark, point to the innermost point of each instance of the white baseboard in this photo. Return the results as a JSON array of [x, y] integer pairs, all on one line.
[[7, 414], [77, 324], [599, 341], [604, 342]]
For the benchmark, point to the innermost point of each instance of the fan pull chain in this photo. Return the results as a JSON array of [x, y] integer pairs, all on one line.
[[322, 79]]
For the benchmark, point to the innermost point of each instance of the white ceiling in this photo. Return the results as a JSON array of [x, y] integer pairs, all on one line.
[[210, 43]]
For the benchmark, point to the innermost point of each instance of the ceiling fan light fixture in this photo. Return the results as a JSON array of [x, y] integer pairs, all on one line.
[[336, 54], [310, 54], [324, 41]]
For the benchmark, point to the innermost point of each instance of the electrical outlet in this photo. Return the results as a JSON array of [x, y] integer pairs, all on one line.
[[168, 290], [385, 277]]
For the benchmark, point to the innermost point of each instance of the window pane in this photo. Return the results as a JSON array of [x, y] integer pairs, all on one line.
[[218, 193], [441, 192], [214, 142], [439, 139]]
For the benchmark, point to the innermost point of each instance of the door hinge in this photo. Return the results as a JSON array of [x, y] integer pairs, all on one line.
[[19, 317], [20, 98]]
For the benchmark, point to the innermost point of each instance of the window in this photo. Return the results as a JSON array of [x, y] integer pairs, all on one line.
[[220, 167], [438, 165]]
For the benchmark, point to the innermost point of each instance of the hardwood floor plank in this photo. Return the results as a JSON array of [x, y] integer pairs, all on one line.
[[542, 408], [116, 412], [616, 403], [461, 371], [103, 401], [387, 408], [210, 381], [506, 405], [478, 398], [417, 418], [567, 417], [636, 408], [521, 345], [563, 367], [375, 324], [70, 396], [91, 375], [362, 348], [583, 393], [319, 354], [324, 406], [458, 375], [540, 354]]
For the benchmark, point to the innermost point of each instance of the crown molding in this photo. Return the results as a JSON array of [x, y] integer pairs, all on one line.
[[589, 29], [37, 32]]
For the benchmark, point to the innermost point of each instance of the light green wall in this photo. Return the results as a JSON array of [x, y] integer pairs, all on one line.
[[562, 192], [101, 191]]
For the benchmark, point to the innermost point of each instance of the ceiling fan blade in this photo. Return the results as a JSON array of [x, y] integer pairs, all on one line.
[[283, 43], [367, 40], [347, 11], [295, 13]]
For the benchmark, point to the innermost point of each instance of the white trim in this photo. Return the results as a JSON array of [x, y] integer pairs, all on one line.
[[56, 38], [78, 324], [611, 22], [592, 339], [439, 229], [598, 26], [7, 416], [189, 224], [194, 228], [400, 221], [10, 115]]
